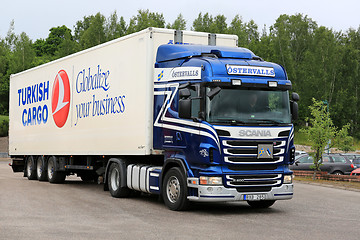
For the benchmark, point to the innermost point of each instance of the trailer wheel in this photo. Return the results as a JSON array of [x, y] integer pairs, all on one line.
[[53, 175], [31, 168], [261, 204], [114, 182], [41, 169], [174, 190]]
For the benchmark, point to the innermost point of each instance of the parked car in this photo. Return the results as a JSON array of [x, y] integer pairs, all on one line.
[[299, 152], [356, 162], [331, 163], [356, 172], [350, 156]]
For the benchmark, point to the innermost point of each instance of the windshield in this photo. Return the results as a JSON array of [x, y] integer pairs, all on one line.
[[248, 107]]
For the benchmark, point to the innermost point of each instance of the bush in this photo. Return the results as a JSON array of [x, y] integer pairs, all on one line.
[[4, 128]]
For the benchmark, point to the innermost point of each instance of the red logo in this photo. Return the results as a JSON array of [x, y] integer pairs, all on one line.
[[60, 99]]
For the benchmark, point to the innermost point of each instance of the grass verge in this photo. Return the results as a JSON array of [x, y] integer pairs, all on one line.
[[301, 139], [2, 117], [335, 184]]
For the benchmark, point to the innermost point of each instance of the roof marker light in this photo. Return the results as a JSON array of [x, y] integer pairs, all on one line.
[[236, 82], [272, 84]]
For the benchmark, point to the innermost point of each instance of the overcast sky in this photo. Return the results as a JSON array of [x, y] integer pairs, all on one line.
[[36, 17]]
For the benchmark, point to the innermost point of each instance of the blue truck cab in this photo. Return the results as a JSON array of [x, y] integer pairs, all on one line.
[[224, 116]]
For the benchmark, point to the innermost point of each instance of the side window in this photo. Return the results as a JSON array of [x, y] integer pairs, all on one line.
[[326, 159], [339, 159], [310, 160], [306, 159], [195, 102]]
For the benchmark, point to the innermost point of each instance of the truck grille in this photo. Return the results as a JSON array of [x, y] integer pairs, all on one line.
[[245, 152], [261, 180]]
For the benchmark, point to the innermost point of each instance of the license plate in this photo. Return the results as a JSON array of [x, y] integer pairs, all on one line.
[[254, 197]]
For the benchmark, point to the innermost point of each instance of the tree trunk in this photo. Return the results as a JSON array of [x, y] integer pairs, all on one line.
[[314, 175]]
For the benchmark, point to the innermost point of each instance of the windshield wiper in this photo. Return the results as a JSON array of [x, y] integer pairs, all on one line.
[[266, 121], [231, 121]]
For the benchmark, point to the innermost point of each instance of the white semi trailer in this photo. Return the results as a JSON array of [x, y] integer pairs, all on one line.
[[135, 111]]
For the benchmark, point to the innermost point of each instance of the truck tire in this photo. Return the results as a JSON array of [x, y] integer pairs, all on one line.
[[41, 169], [54, 176], [174, 190], [261, 204], [114, 182], [31, 168]]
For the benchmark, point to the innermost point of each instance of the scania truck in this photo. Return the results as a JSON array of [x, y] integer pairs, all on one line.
[[185, 115]]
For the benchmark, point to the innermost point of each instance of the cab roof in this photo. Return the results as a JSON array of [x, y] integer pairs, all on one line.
[[170, 52]]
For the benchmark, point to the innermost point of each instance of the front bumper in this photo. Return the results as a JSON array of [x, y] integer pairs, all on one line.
[[208, 193]]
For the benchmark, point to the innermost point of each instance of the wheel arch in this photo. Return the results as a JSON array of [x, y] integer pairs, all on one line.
[[123, 166], [170, 163]]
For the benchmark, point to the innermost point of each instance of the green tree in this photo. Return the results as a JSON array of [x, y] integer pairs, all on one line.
[[145, 19], [115, 27], [39, 47], [208, 23], [95, 33], [203, 23], [4, 78], [67, 46], [56, 36], [320, 67], [11, 36], [81, 26], [238, 27], [252, 33], [291, 37], [219, 24], [90, 31], [319, 133], [343, 141], [264, 46], [178, 24], [7, 45], [23, 54], [351, 72]]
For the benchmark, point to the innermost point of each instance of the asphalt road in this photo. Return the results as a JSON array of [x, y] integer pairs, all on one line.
[[78, 210]]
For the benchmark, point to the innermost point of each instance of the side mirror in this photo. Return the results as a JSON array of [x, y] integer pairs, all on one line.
[[184, 103], [294, 110], [295, 97], [213, 92], [297, 163], [185, 108], [294, 106], [184, 93]]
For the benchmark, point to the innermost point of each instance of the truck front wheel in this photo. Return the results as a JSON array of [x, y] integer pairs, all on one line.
[[53, 175], [114, 182], [174, 190], [31, 168]]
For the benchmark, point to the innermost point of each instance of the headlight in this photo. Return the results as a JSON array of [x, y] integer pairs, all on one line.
[[210, 180], [288, 179]]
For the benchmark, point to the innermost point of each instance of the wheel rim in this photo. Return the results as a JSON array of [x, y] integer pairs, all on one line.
[[29, 167], [114, 179], [337, 173], [39, 167], [50, 169], [173, 189]]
